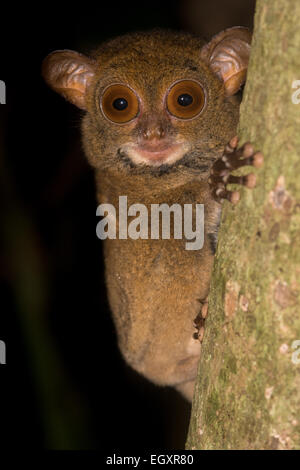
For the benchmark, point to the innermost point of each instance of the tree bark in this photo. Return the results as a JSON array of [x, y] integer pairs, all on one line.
[[247, 394]]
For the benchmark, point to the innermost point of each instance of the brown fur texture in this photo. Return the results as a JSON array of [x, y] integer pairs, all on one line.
[[155, 287]]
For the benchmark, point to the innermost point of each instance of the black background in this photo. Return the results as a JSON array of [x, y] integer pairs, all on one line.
[[65, 384]]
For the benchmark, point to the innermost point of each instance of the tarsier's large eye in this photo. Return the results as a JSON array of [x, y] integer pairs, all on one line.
[[119, 103], [186, 99]]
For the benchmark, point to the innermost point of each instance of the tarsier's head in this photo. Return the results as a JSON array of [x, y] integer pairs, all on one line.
[[155, 100]]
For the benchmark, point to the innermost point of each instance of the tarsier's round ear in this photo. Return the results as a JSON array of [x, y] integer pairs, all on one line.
[[228, 54], [69, 73]]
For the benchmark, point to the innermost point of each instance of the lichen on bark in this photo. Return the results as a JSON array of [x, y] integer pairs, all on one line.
[[247, 394]]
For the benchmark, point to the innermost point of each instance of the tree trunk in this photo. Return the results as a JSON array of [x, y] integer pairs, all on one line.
[[247, 394]]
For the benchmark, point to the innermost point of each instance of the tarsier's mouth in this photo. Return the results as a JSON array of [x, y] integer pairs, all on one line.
[[155, 155], [184, 156]]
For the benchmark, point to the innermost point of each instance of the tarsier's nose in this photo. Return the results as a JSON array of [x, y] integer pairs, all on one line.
[[154, 137], [153, 127], [156, 142], [154, 131]]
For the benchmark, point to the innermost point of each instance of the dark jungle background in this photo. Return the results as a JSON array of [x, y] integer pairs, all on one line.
[[65, 385]]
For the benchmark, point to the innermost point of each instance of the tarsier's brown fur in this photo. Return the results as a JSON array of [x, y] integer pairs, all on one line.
[[155, 287]]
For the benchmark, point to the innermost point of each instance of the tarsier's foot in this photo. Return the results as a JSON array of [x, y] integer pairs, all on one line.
[[200, 321], [232, 159]]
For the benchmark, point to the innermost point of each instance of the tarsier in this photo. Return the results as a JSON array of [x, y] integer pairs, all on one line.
[[160, 107]]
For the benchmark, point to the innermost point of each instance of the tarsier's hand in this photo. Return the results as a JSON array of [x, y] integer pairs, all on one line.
[[232, 159], [220, 176]]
